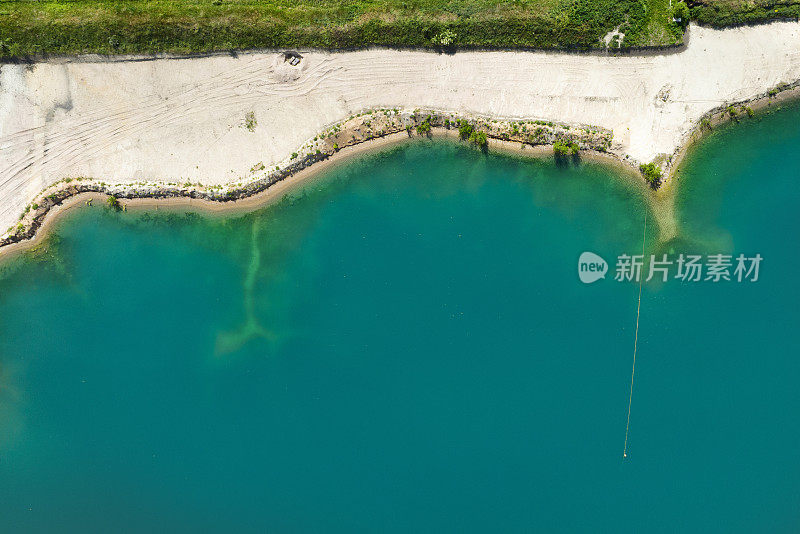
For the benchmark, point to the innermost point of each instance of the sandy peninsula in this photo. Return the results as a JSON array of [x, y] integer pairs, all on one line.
[[224, 119]]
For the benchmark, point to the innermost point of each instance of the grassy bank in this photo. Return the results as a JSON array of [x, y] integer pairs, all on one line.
[[720, 13], [42, 27], [37, 27]]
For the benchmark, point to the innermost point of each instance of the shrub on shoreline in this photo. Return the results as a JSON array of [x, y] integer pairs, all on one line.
[[651, 173], [465, 129], [479, 139], [424, 128], [562, 149]]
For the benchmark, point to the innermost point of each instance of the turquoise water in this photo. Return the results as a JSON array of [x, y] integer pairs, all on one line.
[[404, 346]]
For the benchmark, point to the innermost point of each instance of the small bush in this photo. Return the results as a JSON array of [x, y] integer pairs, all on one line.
[[479, 139], [424, 128], [562, 149], [465, 129], [651, 173], [250, 121], [445, 39], [681, 14], [113, 203]]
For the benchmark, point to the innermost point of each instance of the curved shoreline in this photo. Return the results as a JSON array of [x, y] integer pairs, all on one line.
[[365, 131], [783, 93], [62, 197], [255, 201], [665, 196], [279, 190]]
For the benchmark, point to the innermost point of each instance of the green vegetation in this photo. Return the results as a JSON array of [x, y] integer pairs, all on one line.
[[446, 39], [478, 139], [651, 173], [113, 203], [32, 27], [562, 149], [29, 27], [424, 128], [736, 12], [250, 121], [681, 13], [464, 129]]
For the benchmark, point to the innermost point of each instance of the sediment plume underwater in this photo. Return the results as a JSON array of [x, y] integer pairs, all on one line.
[[404, 342], [231, 341]]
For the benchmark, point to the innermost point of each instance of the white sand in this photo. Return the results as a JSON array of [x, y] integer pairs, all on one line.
[[182, 119]]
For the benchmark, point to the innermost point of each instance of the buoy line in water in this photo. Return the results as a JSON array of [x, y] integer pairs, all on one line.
[[635, 341]]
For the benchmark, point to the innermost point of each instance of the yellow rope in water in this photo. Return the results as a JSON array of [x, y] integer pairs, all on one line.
[[635, 341]]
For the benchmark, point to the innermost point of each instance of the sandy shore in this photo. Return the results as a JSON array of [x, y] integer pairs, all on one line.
[[279, 190], [184, 120], [208, 207]]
